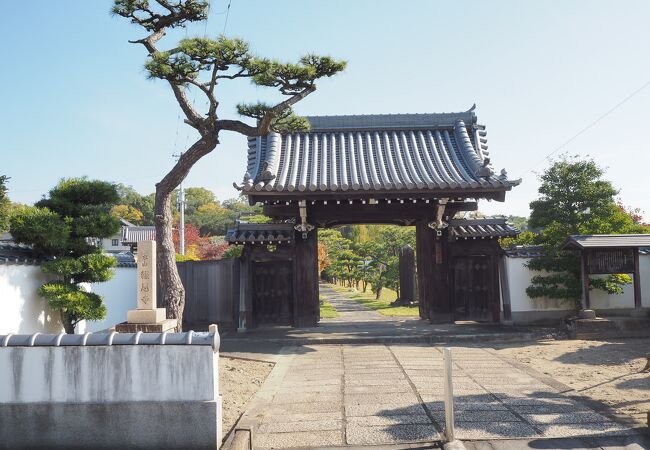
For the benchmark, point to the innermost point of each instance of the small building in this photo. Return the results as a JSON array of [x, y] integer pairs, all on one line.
[[114, 243], [126, 240]]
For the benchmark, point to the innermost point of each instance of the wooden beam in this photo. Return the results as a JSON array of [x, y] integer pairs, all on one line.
[[346, 213]]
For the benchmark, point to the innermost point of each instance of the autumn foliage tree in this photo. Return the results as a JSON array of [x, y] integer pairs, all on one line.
[[198, 247], [199, 65]]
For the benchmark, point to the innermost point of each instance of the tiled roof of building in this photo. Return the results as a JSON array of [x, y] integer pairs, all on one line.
[[14, 253], [525, 251], [260, 233], [582, 241], [133, 234], [402, 152], [481, 229], [125, 259]]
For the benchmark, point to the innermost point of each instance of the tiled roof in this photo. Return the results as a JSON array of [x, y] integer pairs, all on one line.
[[481, 229], [262, 233], [125, 259], [133, 234], [113, 338], [532, 251], [403, 152], [525, 251], [14, 253], [582, 241]]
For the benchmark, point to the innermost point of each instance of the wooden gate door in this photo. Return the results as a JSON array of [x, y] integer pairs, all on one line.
[[472, 288], [272, 293]]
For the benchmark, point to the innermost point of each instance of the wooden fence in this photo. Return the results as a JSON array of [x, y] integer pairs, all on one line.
[[211, 293]]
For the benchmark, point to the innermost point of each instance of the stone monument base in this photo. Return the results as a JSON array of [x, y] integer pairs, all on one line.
[[160, 327], [610, 327], [155, 315]]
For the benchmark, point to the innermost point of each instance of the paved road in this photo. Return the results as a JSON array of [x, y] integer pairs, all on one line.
[[391, 394], [333, 395]]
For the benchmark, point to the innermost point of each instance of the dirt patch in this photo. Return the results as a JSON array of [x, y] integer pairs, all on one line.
[[239, 380], [607, 371]]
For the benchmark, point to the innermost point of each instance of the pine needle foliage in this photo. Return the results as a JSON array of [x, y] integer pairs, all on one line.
[[62, 228], [202, 65]]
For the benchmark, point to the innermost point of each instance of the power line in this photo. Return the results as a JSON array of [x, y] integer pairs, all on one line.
[[225, 24], [575, 136]]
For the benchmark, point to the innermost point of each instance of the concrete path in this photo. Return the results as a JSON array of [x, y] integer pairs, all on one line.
[[353, 395], [349, 310]]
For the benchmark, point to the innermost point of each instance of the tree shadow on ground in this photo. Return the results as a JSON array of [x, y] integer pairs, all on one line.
[[487, 416], [589, 443], [608, 352], [635, 383], [258, 350]]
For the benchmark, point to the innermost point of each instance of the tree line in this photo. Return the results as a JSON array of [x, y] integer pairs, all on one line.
[[363, 256]]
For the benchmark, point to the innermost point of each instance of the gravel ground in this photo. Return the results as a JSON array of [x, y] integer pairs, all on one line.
[[607, 371], [239, 380]]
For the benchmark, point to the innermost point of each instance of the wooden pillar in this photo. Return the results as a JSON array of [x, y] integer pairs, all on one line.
[[637, 281], [443, 295], [305, 274], [586, 304], [494, 283], [245, 303], [424, 259], [433, 274], [505, 289]]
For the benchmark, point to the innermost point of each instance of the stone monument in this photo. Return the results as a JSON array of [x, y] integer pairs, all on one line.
[[407, 276], [147, 317]]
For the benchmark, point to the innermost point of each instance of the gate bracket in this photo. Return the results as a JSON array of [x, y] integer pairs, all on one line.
[[303, 226], [438, 225]]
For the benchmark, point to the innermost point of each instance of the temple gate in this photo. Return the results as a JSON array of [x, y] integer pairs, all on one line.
[[404, 169]]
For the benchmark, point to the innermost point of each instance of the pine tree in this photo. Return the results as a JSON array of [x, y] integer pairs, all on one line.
[[61, 228], [199, 64]]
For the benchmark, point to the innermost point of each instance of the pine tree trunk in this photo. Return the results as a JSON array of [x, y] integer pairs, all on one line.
[[171, 286], [66, 321]]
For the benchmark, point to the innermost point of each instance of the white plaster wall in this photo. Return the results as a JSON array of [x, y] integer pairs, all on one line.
[[644, 269], [119, 296], [519, 277], [121, 373], [22, 310]]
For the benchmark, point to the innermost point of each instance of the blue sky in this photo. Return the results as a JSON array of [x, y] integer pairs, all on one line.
[[74, 99]]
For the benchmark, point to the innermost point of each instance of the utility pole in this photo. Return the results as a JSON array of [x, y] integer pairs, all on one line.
[[181, 209]]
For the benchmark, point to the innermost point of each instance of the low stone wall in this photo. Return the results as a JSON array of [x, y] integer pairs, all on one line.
[[110, 391]]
